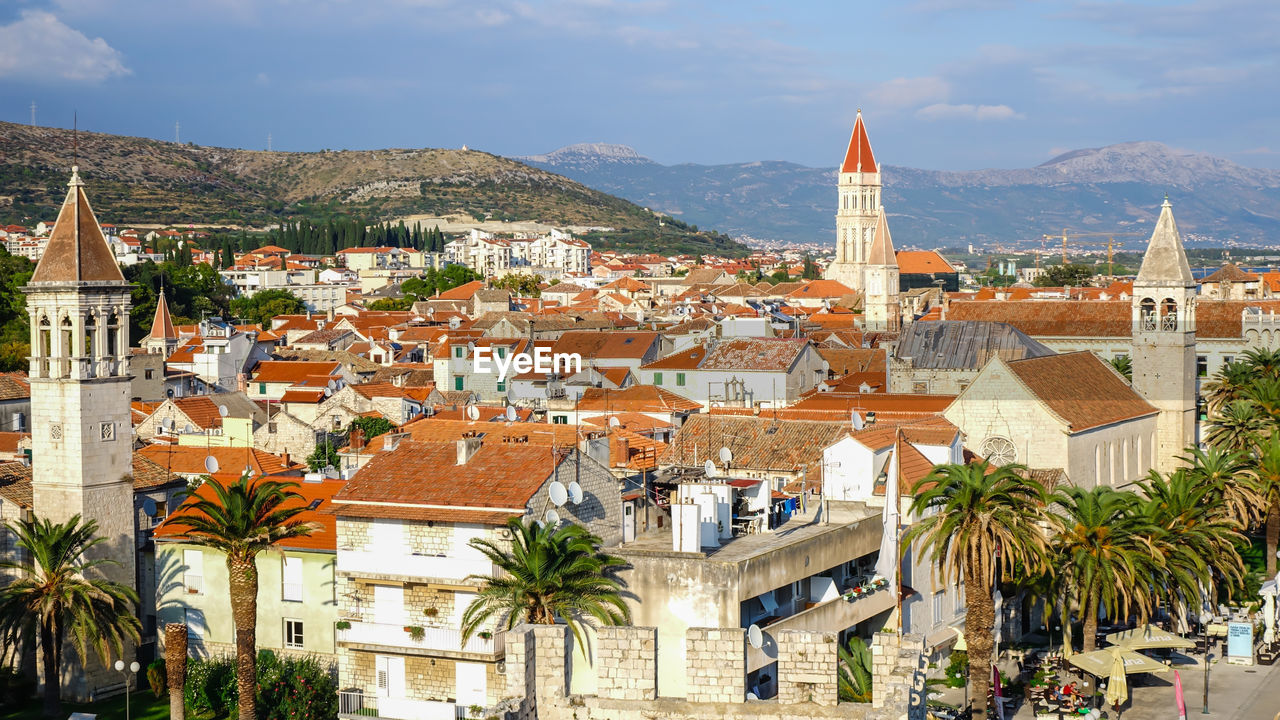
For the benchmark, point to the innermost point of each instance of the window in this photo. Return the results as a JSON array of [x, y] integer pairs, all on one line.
[[937, 607], [293, 634], [147, 373], [560, 420], [262, 388], [920, 388], [193, 575], [680, 379], [1202, 366], [457, 352], [291, 575], [502, 386], [502, 352], [657, 378], [457, 383]]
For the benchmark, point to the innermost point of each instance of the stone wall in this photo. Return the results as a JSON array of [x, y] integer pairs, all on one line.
[[715, 663], [537, 686]]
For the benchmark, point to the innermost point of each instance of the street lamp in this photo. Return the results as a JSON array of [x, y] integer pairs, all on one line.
[[134, 667], [1204, 627]]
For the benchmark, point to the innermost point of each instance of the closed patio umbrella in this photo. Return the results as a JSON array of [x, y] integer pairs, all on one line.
[[1117, 683]]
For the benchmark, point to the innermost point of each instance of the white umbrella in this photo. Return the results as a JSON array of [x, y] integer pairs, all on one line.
[[998, 602], [1148, 636], [1101, 663], [1117, 683], [1268, 593]]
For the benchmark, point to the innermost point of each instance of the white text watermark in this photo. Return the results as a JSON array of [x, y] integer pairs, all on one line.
[[541, 361]]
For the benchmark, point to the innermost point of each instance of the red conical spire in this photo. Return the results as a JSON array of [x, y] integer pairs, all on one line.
[[162, 326], [858, 158]]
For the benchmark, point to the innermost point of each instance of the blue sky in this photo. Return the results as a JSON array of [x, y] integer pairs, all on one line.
[[943, 84]]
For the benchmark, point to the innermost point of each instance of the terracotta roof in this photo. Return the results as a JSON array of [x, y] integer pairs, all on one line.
[[765, 354], [462, 292], [147, 474], [858, 157], [1230, 273], [202, 410], [292, 371], [324, 537], [427, 429], [15, 483], [190, 460], [1100, 318], [1082, 389], [14, 386], [820, 289], [77, 251], [606, 344], [922, 262], [162, 323], [757, 443], [637, 398], [499, 477], [378, 390], [9, 441], [843, 361]]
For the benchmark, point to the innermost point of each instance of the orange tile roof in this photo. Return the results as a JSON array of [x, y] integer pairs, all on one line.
[[605, 344], [637, 398], [9, 441], [434, 429], [292, 371], [1082, 389], [858, 157], [324, 537], [821, 289], [922, 262], [190, 460], [499, 477], [462, 292], [201, 409]]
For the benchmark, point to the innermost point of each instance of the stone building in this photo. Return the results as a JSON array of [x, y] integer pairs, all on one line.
[[858, 202], [881, 309]]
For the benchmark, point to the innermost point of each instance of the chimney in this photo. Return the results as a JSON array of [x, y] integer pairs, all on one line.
[[467, 448], [357, 439], [284, 458], [392, 441]]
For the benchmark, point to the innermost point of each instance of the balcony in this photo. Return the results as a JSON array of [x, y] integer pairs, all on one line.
[[434, 641], [358, 706], [830, 616], [412, 568]]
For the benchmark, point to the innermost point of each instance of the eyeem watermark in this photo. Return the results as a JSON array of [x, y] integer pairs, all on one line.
[[542, 361]]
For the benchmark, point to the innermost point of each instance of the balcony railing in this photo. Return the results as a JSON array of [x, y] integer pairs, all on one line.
[[432, 640], [292, 592], [418, 566], [357, 706]]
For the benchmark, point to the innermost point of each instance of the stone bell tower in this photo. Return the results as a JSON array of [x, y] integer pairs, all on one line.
[[858, 199], [1164, 340], [82, 456]]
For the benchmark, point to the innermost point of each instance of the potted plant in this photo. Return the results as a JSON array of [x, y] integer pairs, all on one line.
[[343, 625], [416, 632], [430, 612], [485, 635]]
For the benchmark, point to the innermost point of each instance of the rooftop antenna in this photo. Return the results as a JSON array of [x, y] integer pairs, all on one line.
[[33, 113], [268, 142], [177, 134]]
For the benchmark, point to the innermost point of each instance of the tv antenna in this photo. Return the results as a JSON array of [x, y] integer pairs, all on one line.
[[177, 132], [268, 142], [33, 113]]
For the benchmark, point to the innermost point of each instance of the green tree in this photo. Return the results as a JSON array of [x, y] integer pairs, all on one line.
[[58, 595], [1266, 485], [1237, 426], [853, 679], [262, 306], [241, 521], [1104, 556], [550, 572], [1123, 364], [810, 271], [1063, 275], [522, 284], [372, 427], [325, 455], [1228, 384], [1227, 476], [15, 331], [968, 512]]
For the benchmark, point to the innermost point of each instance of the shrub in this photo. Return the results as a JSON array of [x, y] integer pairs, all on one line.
[[956, 667], [295, 689], [156, 678], [211, 685]]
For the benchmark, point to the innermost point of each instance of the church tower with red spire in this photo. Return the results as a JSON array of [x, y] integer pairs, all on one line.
[[858, 201]]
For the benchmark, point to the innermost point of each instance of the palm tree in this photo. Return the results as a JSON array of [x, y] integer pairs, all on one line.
[[1228, 384], [241, 521], [1263, 362], [60, 591], [1237, 426], [1266, 477], [1104, 555], [1123, 364], [1197, 542], [1227, 475], [853, 678], [1265, 393], [550, 573], [979, 523], [175, 667]]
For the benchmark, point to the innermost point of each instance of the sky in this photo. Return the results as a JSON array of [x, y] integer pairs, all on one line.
[[943, 84]]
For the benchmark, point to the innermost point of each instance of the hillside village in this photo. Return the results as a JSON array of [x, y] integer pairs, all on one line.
[[745, 438]]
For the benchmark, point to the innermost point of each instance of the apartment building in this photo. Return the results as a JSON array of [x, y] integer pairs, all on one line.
[[740, 372], [406, 571], [481, 252]]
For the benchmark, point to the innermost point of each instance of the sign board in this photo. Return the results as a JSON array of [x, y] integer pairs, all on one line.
[[1240, 643]]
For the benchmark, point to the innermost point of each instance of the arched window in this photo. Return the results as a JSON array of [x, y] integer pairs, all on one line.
[[113, 335], [90, 329], [1168, 315], [65, 347], [1147, 314]]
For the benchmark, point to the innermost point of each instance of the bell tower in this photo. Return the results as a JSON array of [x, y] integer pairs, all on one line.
[[858, 190], [881, 309], [1164, 340], [82, 456]]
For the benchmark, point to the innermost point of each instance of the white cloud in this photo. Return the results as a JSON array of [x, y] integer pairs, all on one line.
[[909, 92], [944, 111], [263, 79], [38, 46]]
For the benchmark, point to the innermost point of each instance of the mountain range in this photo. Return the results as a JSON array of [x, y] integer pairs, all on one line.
[[1117, 188], [138, 180]]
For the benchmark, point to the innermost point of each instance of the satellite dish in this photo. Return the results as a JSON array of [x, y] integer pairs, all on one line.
[[248, 470], [511, 413], [328, 392], [149, 506], [167, 423], [211, 464], [754, 636], [473, 412], [856, 419], [575, 493], [332, 385], [186, 428], [222, 410], [726, 455], [614, 422], [552, 516], [710, 468], [454, 322], [557, 493], [826, 367]]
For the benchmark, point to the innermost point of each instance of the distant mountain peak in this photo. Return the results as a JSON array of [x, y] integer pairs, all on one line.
[[581, 154]]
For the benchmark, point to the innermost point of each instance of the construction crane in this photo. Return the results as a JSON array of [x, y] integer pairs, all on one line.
[[1067, 236]]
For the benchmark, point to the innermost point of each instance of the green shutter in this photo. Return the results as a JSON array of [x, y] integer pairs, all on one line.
[[457, 383], [262, 388], [502, 386], [680, 379], [657, 378]]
